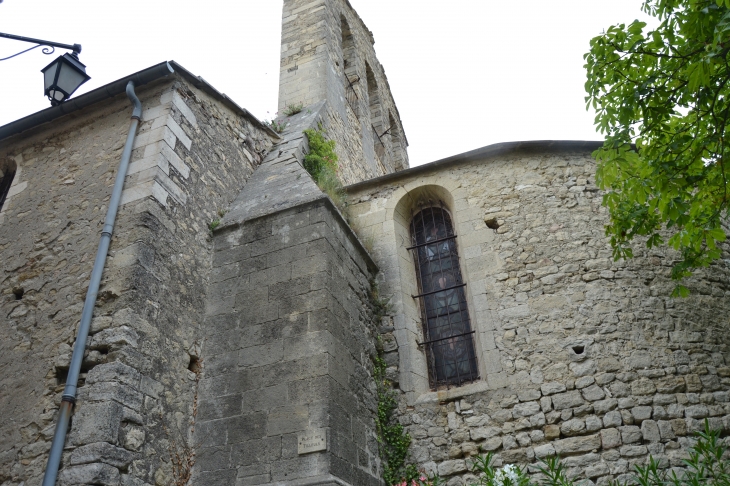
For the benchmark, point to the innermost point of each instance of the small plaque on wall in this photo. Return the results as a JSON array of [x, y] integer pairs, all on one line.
[[312, 441]]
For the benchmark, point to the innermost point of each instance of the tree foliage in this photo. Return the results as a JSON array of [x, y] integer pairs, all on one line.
[[661, 98]]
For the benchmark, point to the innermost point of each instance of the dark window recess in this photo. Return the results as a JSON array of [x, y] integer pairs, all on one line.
[[7, 173], [448, 337]]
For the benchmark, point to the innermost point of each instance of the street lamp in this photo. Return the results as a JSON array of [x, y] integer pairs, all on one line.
[[64, 75]]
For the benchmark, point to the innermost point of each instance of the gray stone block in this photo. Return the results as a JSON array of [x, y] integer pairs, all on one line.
[[96, 422], [577, 444], [98, 474], [641, 413], [101, 452], [309, 465], [284, 420], [630, 434], [650, 431], [256, 455], [570, 399], [115, 371], [264, 399], [213, 458], [118, 392], [243, 428], [265, 354], [220, 407], [612, 419], [610, 438]]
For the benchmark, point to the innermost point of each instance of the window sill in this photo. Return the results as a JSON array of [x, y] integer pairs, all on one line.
[[453, 393]]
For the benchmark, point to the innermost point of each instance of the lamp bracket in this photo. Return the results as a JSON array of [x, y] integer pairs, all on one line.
[[48, 46]]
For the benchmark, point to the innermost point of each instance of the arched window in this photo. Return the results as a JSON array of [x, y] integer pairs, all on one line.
[[448, 337], [7, 173]]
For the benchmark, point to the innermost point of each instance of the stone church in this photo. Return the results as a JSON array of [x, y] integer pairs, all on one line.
[[240, 312]]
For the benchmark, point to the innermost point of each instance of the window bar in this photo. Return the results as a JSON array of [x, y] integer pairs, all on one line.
[[438, 291], [445, 338], [431, 242]]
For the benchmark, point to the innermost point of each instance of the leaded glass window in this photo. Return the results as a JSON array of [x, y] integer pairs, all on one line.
[[448, 337]]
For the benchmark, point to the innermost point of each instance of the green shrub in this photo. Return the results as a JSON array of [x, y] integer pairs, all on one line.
[[291, 110], [321, 163]]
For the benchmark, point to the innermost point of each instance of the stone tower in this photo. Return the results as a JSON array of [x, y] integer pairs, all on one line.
[[327, 54]]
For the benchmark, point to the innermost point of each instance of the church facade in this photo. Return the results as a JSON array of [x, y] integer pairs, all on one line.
[[242, 314]]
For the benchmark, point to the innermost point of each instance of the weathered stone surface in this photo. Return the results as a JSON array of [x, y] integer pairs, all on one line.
[[101, 452], [578, 444], [449, 468], [650, 431], [526, 409], [610, 438], [552, 388], [101, 474], [569, 399], [545, 450]]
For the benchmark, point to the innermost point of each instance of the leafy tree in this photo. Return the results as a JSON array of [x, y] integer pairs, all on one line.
[[662, 101]]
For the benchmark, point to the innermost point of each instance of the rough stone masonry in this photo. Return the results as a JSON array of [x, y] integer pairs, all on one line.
[[579, 355], [234, 336]]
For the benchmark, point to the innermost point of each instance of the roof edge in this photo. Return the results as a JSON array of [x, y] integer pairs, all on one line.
[[118, 87], [75, 104], [204, 85], [493, 150]]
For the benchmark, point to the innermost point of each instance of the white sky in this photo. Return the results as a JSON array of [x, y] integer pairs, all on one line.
[[464, 73]]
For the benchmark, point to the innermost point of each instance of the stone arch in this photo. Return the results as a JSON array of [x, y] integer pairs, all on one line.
[[396, 140], [7, 174], [376, 112], [349, 66]]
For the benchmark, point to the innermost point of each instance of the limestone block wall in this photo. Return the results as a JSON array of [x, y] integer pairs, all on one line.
[[139, 379], [578, 355], [327, 54], [289, 344]]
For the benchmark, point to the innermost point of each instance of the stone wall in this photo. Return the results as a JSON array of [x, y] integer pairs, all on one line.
[[138, 393], [288, 347], [325, 44], [579, 355]]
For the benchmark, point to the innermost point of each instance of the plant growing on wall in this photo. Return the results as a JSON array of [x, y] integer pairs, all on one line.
[[393, 440], [292, 110], [321, 163], [276, 126]]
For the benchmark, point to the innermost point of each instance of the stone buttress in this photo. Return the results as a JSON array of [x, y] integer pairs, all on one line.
[[287, 395]]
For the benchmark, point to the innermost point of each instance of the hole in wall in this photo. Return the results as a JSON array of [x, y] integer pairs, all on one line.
[[18, 292], [492, 223], [194, 365], [579, 349], [61, 376]]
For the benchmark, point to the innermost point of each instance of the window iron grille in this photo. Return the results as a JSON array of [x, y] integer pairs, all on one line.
[[448, 337]]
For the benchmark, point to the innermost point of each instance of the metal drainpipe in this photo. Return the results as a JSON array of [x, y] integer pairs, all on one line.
[[69, 393]]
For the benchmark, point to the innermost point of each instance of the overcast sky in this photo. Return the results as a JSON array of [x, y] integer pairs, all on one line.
[[464, 73]]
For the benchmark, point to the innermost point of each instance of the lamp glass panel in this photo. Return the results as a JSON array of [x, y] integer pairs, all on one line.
[[69, 79], [48, 76]]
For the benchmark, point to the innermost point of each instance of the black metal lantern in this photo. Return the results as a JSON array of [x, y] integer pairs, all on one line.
[[62, 77]]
